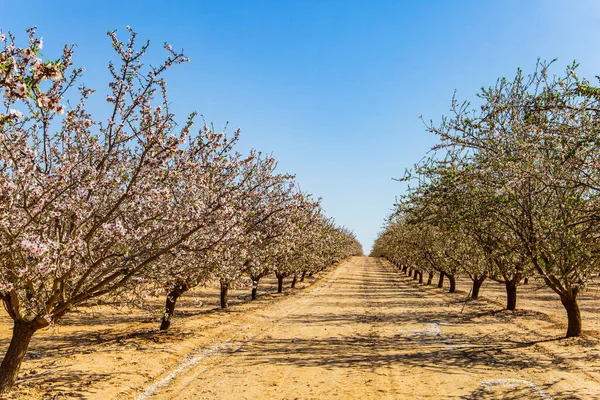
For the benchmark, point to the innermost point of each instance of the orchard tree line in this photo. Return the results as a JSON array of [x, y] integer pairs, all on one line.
[[509, 192], [133, 204]]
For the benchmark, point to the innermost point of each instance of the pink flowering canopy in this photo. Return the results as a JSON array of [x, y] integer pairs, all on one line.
[[132, 203]]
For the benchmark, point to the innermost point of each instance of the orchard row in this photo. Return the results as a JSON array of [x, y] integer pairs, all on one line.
[[510, 191], [135, 204]]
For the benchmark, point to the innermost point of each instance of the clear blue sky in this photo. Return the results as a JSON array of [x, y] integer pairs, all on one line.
[[333, 89]]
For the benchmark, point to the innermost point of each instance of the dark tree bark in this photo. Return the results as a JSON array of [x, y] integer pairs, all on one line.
[[421, 277], [172, 297], [11, 364], [255, 281], [303, 276], [224, 291], [477, 282], [294, 280], [279, 283], [404, 269], [452, 280], [511, 294], [441, 280], [415, 274], [430, 277], [526, 281], [573, 315]]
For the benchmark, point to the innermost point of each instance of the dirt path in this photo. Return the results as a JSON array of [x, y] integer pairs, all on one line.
[[369, 332]]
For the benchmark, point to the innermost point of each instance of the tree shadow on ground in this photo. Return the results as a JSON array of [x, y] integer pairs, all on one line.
[[58, 383], [445, 353], [517, 389]]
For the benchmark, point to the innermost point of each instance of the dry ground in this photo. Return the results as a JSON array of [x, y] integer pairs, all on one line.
[[362, 331]]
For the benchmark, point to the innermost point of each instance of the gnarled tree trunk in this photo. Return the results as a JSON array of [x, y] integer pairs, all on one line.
[[441, 280], [294, 280], [280, 282], [511, 294], [430, 277], [569, 301], [303, 276], [172, 297], [224, 291], [255, 281], [11, 364], [452, 280], [477, 282]]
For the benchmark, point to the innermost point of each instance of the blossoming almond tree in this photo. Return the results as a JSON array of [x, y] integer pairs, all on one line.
[[265, 198], [534, 143], [86, 207], [528, 182], [299, 239], [269, 221], [206, 190], [277, 237]]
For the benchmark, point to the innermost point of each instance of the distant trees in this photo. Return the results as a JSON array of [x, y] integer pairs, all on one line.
[[512, 188], [130, 204]]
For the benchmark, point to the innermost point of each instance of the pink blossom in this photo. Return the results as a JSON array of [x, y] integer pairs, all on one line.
[[20, 89], [43, 100], [15, 113]]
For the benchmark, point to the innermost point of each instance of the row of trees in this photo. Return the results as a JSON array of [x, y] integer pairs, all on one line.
[[115, 209], [510, 191]]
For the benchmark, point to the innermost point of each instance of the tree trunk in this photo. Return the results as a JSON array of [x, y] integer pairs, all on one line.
[[170, 306], [280, 283], [511, 294], [477, 282], [452, 283], [224, 291], [526, 281], [421, 277], [294, 280], [573, 315], [9, 369], [404, 268], [255, 287], [441, 281], [415, 274], [303, 276], [430, 277]]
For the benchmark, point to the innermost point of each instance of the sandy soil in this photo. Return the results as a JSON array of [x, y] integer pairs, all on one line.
[[362, 331], [114, 353]]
